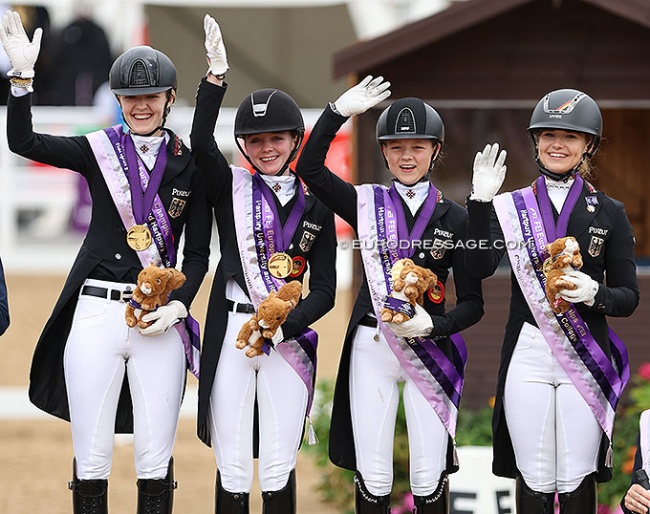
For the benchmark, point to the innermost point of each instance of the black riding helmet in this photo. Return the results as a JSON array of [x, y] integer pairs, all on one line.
[[411, 118], [269, 110], [571, 110], [143, 70]]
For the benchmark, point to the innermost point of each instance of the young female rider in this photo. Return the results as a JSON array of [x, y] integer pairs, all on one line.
[[422, 352], [89, 367], [256, 406], [561, 375]]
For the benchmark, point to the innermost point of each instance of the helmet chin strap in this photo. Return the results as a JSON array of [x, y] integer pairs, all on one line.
[[166, 110], [284, 167], [560, 177], [425, 178]]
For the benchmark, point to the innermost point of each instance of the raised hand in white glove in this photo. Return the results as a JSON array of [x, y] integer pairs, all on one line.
[[420, 325], [358, 99], [163, 318], [585, 291], [489, 173], [214, 47], [21, 51]]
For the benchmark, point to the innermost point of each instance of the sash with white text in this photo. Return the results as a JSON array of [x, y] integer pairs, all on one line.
[[112, 156], [439, 378], [259, 234], [599, 380]]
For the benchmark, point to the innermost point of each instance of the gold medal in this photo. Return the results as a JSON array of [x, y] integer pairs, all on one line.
[[280, 265], [138, 237], [546, 267]]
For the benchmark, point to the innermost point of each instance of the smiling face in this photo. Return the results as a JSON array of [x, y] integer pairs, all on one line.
[[144, 113], [559, 150], [408, 159], [269, 151]]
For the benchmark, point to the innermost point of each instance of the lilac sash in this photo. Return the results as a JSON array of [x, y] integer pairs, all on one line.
[[599, 380], [112, 158], [259, 235], [644, 440], [439, 378]]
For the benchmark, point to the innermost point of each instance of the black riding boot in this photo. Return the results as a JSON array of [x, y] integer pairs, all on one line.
[[532, 502], [282, 501], [88, 496], [437, 502], [367, 503], [156, 496], [584, 500], [229, 503]]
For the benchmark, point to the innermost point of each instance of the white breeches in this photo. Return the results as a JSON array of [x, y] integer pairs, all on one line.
[[99, 350], [374, 397], [555, 436], [282, 404]]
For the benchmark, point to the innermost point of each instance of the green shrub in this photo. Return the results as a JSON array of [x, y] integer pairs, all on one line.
[[474, 429]]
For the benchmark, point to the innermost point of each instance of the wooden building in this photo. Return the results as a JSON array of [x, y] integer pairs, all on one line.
[[483, 64]]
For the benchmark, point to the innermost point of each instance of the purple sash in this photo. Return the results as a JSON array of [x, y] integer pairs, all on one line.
[[599, 380], [259, 235], [439, 378], [113, 156]]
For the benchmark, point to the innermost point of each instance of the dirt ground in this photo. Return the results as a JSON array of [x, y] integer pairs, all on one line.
[[36, 455]]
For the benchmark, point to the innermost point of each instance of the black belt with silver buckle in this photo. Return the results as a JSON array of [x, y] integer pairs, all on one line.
[[245, 308], [368, 321], [103, 292]]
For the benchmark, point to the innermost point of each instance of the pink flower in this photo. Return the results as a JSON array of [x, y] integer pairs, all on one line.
[[644, 371], [406, 507]]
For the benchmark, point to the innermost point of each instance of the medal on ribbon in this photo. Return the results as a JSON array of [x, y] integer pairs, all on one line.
[[144, 189], [280, 265], [138, 237]]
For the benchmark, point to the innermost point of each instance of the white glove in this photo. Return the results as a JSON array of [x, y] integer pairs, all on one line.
[[278, 337], [489, 173], [163, 318], [358, 99], [585, 291], [21, 52], [420, 325], [214, 47]]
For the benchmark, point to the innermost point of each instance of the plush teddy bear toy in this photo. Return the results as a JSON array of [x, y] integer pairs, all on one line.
[[271, 313], [564, 256], [152, 291], [410, 282]]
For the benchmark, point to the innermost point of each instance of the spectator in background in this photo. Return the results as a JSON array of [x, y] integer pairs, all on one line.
[[4, 304], [82, 60]]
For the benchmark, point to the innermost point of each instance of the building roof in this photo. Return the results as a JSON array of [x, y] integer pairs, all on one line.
[[458, 17]]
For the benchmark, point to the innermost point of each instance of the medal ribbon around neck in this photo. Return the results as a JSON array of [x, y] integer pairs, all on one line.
[[421, 221], [275, 238], [552, 230], [144, 188]]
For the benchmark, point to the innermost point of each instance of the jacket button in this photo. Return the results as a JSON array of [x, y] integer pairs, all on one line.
[[118, 256]]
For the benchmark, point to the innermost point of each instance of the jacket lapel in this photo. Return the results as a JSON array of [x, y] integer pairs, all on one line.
[[586, 209], [178, 157]]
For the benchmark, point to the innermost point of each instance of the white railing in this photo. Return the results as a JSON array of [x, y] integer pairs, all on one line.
[[36, 202]]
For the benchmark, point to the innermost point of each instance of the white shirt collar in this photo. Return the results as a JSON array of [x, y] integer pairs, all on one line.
[[558, 191], [284, 186], [148, 147], [414, 195]]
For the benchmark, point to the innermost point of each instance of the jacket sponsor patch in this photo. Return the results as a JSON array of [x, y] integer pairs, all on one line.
[[595, 246], [177, 207], [306, 241]]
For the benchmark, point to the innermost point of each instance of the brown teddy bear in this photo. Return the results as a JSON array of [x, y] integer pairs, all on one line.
[[152, 291], [410, 282], [564, 256], [271, 313]]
